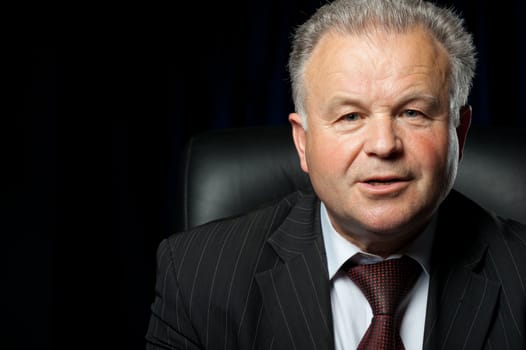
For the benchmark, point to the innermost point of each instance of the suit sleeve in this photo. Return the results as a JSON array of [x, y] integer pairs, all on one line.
[[169, 326]]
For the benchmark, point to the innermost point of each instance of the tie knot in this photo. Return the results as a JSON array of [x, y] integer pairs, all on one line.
[[386, 283]]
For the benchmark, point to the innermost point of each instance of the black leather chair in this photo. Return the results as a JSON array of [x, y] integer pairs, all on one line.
[[230, 171]]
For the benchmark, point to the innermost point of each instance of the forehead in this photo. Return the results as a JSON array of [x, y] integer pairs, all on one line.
[[378, 52], [377, 65]]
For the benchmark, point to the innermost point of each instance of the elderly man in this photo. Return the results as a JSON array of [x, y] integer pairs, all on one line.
[[384, 254]]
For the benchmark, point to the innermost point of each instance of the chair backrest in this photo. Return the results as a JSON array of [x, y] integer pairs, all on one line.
[[230, 171]]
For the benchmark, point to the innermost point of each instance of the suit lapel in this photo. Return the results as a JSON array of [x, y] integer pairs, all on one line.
[[296, 291], [461, 307], [462, 302]]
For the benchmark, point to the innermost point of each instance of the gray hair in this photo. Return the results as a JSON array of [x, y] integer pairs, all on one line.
[[361, 16]]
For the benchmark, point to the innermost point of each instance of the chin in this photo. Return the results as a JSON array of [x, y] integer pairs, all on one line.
[[400, 224]]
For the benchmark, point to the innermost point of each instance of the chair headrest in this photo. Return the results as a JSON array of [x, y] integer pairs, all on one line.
[[493, 170]]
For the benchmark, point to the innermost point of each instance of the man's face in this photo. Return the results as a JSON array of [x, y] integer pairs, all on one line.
[[379, 148]]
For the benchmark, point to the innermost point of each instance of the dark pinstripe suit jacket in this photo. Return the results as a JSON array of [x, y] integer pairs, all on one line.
[[260, 281]]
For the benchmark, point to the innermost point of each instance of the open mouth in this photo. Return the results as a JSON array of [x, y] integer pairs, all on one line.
[[381, 182]]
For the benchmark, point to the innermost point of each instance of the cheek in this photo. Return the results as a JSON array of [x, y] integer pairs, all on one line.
[[330, 155], [433, 153]]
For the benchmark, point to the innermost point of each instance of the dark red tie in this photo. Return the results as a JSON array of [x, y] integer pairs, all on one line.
[[385, 284]]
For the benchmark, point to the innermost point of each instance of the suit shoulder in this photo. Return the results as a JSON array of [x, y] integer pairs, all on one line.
[[516, 227], [233, 232], [222, 251], [515, 234], [506, 231], [507, 256]]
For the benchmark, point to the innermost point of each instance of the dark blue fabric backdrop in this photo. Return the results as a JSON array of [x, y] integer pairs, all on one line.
[[105, 97]]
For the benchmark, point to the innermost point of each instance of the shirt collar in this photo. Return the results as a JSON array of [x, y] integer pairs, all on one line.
[[339, 250]]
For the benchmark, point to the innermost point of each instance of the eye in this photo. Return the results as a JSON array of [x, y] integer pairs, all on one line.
[[351, 117], [349, 122], [411, 113]]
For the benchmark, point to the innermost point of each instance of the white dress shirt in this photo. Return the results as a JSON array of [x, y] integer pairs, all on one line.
[[351, 311]]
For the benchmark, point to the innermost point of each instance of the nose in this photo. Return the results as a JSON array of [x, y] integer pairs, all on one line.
[[382, 140]]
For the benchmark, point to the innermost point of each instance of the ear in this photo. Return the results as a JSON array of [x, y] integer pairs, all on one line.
[[299, 136], [463, 127]]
